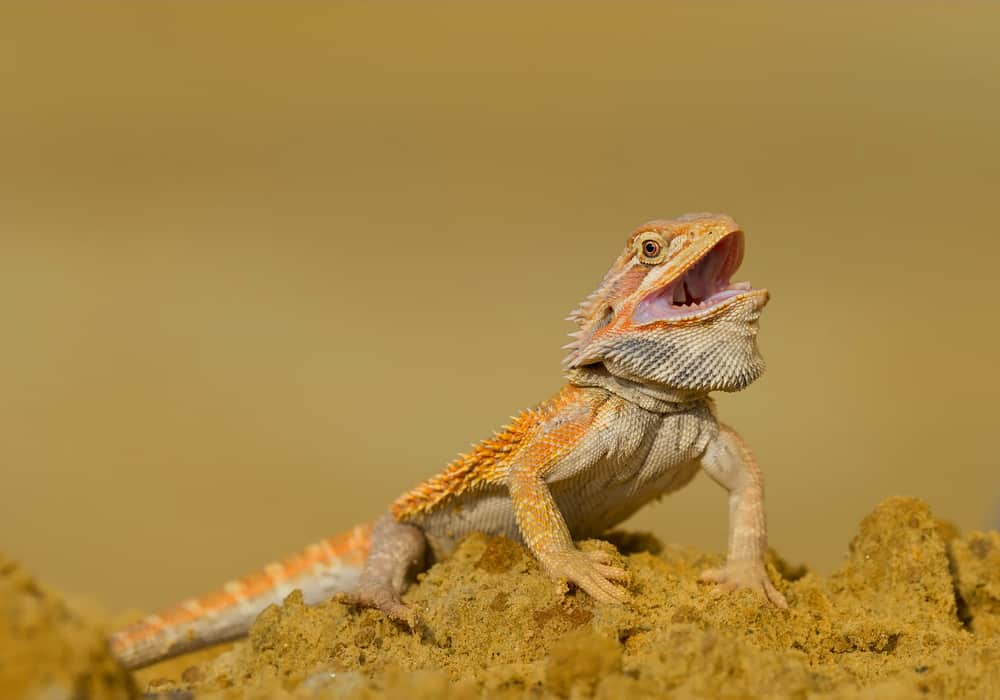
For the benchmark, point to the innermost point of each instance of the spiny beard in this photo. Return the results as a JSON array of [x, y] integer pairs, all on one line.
[[719, 354]]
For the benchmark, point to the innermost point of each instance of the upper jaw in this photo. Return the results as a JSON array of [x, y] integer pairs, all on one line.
[[702, 288]]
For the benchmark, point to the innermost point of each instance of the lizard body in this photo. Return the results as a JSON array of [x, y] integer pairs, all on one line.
[[664, 329]]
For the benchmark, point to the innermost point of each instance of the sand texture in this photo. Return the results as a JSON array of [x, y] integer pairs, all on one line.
[[913, 612], [48, 649]]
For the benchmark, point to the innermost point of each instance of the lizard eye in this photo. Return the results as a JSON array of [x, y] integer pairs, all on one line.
[[651, 248]]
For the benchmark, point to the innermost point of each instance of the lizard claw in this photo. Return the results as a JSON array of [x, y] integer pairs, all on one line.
[[736, 575], [591, 571]]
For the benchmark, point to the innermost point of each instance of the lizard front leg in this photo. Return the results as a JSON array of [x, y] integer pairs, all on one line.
[[545, 533], [397, 553], [729, 462]]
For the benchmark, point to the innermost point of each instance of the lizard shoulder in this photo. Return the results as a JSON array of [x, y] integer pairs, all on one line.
[[536, 435]]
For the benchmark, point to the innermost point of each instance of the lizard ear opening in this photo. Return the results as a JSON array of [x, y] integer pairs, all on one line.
[[582, 337]]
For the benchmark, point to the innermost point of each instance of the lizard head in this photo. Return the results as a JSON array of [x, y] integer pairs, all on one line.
[[668, 313]]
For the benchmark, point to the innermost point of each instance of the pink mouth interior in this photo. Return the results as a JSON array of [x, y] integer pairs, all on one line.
[[703, 286]]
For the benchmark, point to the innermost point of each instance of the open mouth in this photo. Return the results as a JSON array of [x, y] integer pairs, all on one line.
[[705, 286]]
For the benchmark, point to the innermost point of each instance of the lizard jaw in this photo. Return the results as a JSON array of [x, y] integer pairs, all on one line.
[[701, 290]]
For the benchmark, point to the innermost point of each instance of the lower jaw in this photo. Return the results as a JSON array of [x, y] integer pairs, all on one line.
[[732, 294], [758, 297]]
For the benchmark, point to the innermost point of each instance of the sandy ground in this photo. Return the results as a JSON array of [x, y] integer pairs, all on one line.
[[914, 611]]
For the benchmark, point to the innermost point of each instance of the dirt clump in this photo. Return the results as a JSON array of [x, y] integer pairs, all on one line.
[[912, 613], [49, 649], [976, 563]]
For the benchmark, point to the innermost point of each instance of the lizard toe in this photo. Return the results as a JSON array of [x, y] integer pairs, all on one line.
[[738, 575], [595, 579], [604, 564], [384, 600], [774, 595], [599, 556], [604, 591], [613, 573]]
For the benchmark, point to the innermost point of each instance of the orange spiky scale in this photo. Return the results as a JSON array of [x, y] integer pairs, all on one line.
[[486, 463]]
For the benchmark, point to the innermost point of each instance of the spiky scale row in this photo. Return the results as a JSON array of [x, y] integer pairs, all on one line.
[[487, 462]]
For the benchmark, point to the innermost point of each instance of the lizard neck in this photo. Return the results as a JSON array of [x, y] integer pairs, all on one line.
[[650, 396]]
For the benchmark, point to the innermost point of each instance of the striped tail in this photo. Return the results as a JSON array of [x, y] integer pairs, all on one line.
[[329, 567]]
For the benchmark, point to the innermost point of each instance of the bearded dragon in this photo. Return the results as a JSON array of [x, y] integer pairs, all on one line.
[[664, 328]]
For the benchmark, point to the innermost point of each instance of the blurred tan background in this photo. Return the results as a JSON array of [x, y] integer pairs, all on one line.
[[264, 266]]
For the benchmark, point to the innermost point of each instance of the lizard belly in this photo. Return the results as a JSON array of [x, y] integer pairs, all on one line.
[[489, 511], [634, 457], [663, 458]]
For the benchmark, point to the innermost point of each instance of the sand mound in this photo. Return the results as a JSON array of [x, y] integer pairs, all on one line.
[[913, 612], [49, 650]]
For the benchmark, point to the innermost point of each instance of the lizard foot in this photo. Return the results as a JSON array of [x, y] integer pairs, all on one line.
[[736, 575], [592, 571], [381, 598]]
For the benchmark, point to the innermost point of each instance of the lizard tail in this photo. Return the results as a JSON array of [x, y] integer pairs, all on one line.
[[331, 566]]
